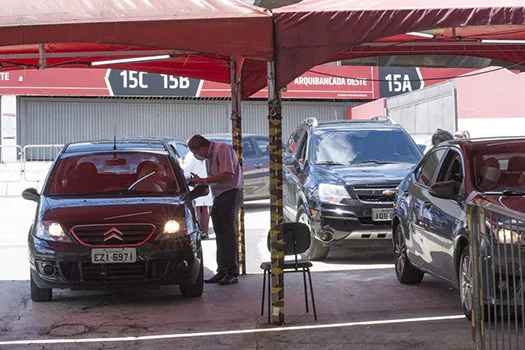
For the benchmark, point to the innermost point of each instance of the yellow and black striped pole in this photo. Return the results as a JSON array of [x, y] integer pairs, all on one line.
[[276, 197], [235, 84]]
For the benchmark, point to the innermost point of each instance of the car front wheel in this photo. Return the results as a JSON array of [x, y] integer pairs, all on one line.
[[40, 294], [316, 251], [406, 273], [195, 289]]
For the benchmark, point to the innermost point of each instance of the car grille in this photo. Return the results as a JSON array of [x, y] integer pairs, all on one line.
[[375, 193], [107, 235], [87, 272]]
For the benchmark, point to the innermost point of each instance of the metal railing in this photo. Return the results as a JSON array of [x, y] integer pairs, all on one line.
[[497, 251], [37, 160], [10, 163]]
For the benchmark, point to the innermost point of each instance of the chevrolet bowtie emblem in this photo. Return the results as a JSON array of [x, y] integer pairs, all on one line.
[[113, 233], [388, 192]]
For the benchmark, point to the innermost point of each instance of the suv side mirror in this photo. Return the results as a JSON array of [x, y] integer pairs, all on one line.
[[31, 194], [444, 189], [199, 191]]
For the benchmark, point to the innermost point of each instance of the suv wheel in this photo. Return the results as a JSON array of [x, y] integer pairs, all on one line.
[[192, 290], [406, 273], [40, 294], [316, 251]]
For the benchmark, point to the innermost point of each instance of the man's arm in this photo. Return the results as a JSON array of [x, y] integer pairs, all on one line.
[[213, 179]]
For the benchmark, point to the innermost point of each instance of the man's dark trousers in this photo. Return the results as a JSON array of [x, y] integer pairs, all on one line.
[[224, 214]]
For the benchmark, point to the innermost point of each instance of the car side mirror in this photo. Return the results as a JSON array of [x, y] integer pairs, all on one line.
[[31, 194], [199, 191], [444, 189]]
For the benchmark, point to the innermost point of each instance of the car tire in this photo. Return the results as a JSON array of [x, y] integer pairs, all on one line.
[[317, 251], [406, 272], [195, 289], [40, 294]]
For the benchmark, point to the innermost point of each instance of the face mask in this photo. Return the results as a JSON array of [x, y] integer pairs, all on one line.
[[199, 157], [492, 174]]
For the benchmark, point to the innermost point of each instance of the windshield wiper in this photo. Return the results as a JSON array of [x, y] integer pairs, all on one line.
[[329, 162], [64, 194], [505, 193], [372, 162], [139, 180]]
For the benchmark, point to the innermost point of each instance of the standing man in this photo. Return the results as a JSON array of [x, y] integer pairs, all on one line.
[[226, 183]]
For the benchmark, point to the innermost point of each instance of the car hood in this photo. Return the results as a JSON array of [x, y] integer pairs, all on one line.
[[70, 212], [516, 203], [371, 173]]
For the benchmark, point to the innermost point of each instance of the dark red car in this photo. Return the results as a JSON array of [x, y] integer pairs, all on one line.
[[113, 214]]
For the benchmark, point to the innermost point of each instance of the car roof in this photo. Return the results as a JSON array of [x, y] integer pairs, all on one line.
[[351, 124], [228, 136], [127, 144]]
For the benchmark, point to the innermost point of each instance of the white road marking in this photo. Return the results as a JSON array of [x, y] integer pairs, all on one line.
[[236, 332]]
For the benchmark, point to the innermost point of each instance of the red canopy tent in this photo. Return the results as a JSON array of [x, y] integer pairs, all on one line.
[[197, 37], [313, 32]]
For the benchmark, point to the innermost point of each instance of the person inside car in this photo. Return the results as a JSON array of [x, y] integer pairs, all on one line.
[[490, 174], [148, 174]]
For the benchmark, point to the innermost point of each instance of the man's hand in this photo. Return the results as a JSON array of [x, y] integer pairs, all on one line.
[[195, 180]]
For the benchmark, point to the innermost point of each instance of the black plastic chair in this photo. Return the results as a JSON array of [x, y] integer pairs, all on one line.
[[296, 241]]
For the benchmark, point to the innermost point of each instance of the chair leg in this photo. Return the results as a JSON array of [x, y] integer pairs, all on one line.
[[305, 290], [312, 292], [269, 296], [263, 291]]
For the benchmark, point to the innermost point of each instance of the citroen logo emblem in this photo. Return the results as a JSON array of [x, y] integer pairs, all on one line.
[[113, 233], [388, 192]]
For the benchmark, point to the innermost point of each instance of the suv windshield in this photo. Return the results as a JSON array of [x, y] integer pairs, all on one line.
[[500, 167], [364, 146], [114, 173]]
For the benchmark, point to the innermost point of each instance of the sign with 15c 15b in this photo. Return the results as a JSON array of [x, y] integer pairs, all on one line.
[[133, 83]]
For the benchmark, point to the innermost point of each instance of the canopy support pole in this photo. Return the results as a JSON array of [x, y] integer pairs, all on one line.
[[235, 86], [276, 197]]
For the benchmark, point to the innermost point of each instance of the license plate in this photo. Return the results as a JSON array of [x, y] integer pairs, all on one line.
[[382, 214], [113, 255]]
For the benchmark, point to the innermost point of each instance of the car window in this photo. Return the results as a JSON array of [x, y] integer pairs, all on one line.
[[425, 171], [248, 151], [352, 146], [295, 141], [263, 146], [115, 172], [499, 166], [451, 168], [181, 149]]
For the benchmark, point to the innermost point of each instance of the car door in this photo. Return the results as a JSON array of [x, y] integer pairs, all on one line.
[[262, 146], [180, 149], [291, 172], [418, 202], [445, 218], [251, 172]]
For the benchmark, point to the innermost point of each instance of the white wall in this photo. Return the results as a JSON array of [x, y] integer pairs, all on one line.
[[8, 128], [492, 127]]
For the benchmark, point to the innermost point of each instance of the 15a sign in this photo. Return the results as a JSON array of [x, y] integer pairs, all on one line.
[[397, 80], [133, 83]]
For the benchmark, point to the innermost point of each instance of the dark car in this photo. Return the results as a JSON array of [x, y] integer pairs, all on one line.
[[256, 168], [115, 213], [340, 179], [430, 221]]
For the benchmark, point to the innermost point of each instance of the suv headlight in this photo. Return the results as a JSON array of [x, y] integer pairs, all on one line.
[[333, 194], [51, 231], [508, 236]]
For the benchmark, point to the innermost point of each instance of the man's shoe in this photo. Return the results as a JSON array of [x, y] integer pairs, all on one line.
[[229, 279], [205, 236], [216, 278]]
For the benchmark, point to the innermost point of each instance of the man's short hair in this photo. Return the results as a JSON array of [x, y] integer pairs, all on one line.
[[198, 141], [440, 136]]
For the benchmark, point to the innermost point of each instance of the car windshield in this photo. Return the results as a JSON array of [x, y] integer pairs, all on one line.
[[500, 167], [109, 174], [364, 146]]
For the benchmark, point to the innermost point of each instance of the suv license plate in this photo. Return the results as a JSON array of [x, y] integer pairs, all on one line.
[[382, 214], [113, 255]]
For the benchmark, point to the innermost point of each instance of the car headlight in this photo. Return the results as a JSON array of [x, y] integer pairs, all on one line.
[[171, 226], [51, 231], [508, 236], [333, 194]]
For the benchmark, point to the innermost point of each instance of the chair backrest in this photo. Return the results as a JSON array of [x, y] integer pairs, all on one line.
[[296, 238]]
